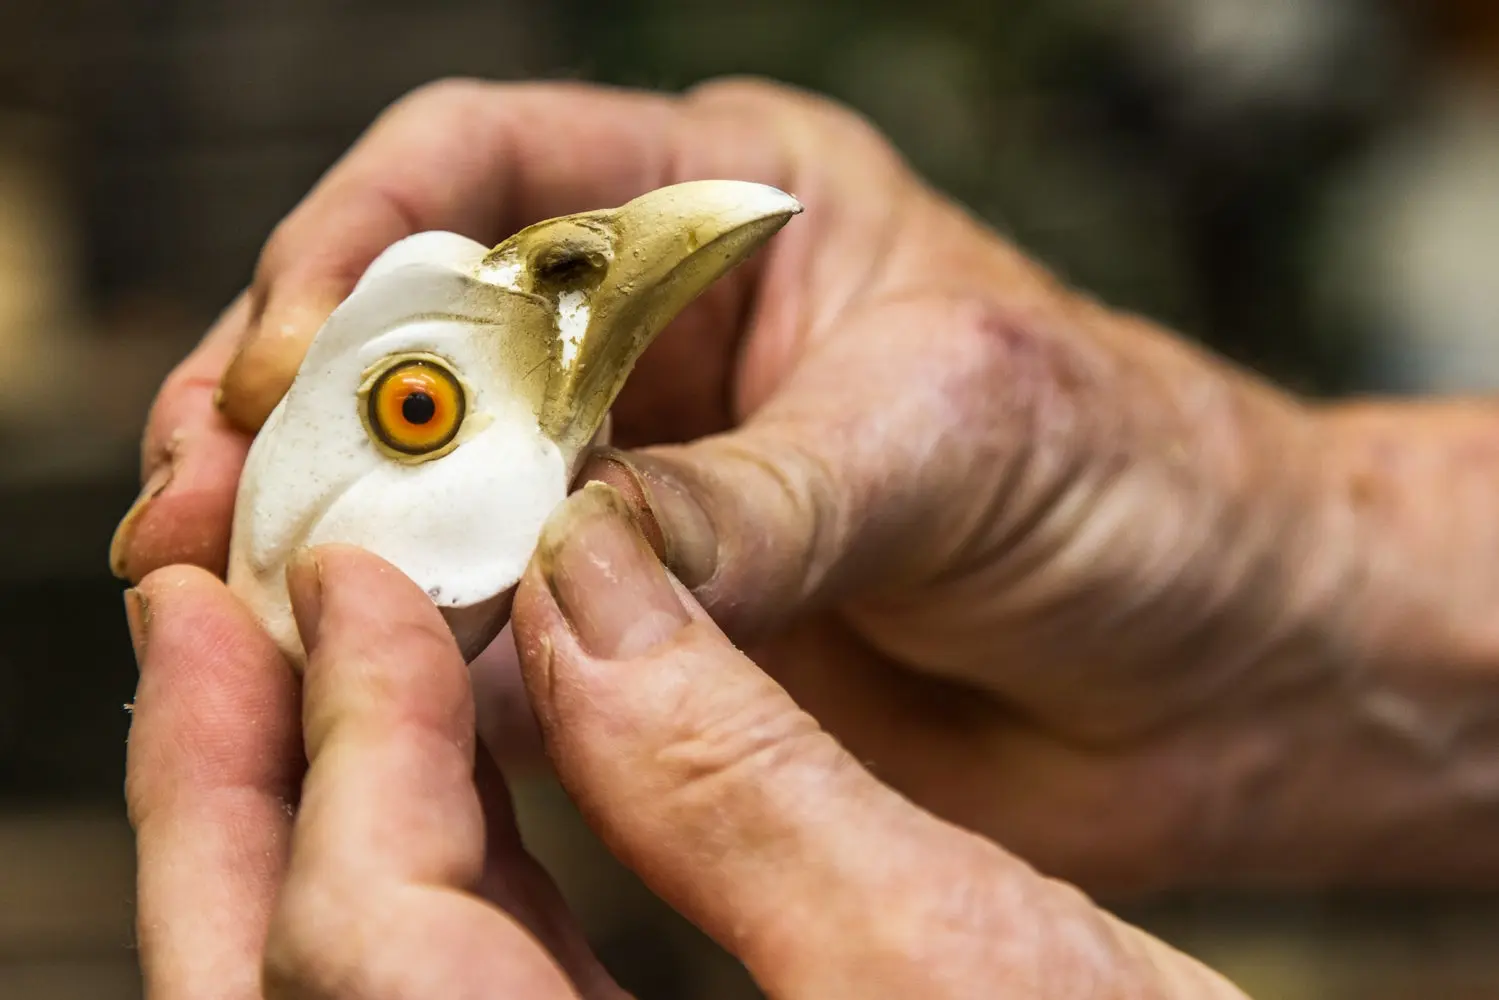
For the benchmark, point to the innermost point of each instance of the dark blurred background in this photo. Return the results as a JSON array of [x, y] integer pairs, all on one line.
[[1311, 186]]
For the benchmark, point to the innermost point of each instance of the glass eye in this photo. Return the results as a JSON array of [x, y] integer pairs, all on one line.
[[416, 407]]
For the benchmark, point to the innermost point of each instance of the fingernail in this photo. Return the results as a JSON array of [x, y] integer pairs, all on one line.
[[119, 546], [607, 580], [673, 521], [304, 584], [138, 617]]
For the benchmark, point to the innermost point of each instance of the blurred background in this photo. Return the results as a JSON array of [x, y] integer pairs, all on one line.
[[1311, 186]]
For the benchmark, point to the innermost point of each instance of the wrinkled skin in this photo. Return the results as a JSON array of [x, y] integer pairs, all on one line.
[[1051, 574]]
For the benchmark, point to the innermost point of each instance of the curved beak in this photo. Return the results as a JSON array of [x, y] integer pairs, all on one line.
[[617, 278]]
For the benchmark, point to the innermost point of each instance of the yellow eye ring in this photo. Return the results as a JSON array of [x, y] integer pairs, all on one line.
[[413, 406]]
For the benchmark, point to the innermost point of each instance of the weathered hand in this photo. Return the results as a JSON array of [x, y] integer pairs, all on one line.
[[1052, 573], [399, 874], [391, 863], [975, 475]]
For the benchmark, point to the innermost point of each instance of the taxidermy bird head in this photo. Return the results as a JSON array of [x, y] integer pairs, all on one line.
[[441, 412]]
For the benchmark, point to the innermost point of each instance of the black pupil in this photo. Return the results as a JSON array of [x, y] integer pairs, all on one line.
[[418, 408]]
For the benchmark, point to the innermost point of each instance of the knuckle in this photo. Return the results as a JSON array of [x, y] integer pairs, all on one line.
[[813, 493], [724, 750], [771, 479], [1055, 372], [441, 96], [1026, 450], [449, 107], [380, 652], [768, 94], [745, 88]]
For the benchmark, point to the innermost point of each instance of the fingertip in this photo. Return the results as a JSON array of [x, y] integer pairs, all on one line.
[[612, 467], [302, 277], [276, 339], [381, 648], [189, 528], [665, 507], [185, 513], [122, 554], [176, 584], [341, 592], [353, 576], [196, 626], [256, 379]]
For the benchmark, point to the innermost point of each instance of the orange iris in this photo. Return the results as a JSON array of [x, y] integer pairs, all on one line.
[[416, 407]]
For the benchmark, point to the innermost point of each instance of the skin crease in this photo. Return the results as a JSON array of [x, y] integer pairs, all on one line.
[[1048, 572]]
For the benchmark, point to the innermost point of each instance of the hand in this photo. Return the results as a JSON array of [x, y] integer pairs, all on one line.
[[403, 876], [1055, 575]]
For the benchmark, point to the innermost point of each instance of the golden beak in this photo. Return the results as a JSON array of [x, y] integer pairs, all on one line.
[[616, 278]]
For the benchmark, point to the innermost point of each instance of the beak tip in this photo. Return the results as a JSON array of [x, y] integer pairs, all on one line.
[[763, 201], [786, 204]]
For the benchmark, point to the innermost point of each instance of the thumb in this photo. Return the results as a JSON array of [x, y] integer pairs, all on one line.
[[874, 462], [704, 777]]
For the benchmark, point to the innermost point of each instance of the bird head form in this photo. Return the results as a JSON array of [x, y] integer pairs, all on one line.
[[443, 409]]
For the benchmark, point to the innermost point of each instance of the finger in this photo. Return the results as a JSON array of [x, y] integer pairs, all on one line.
[[463, 156], [481, 159], [877, 462], [484, 159], [939, 465], [211, 773], [730, 802], [190, 462], [475, 158], [390, 840]]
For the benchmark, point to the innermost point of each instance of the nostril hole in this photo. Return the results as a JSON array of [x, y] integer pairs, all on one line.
[[568, 265]]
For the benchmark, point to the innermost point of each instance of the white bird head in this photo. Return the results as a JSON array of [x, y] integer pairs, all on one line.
[[441, 412]]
